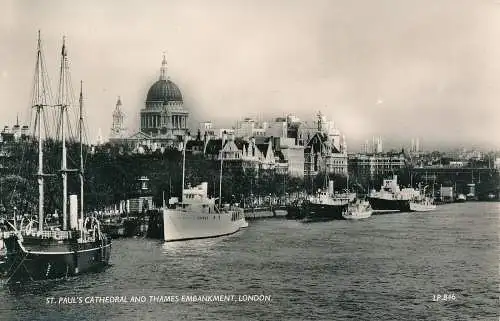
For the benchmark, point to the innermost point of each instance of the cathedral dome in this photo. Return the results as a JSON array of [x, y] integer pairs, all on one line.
[[164, 90]]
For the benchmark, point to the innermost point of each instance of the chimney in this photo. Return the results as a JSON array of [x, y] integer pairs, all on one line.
[[224, 138], [330, 187], [73, 211]]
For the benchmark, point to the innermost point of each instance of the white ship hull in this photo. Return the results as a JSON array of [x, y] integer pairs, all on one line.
[[357, 215], [181, 224], [416, 207]]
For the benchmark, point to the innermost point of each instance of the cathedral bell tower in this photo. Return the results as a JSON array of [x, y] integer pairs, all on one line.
[[117, 129]]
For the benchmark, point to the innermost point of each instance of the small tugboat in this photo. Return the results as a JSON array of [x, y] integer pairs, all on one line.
[[424, 204], [36, 251], [358, 210], [461, 198], [421, 202]]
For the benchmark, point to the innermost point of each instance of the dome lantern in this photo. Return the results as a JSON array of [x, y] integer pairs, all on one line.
[[163, 70], [164, 90]]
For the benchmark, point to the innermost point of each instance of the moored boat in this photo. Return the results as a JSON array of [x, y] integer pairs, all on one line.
[[422, 202], [197, 216], [37, 251], [294, 210], [324, 206], [391, 198], [461, 198], [422, 205], [358, 210]]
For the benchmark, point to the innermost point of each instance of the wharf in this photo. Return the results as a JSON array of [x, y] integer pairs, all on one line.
[[264, 212]]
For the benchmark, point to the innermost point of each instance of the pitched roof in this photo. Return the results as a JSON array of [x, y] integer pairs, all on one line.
[[140, 135], [194, 143], [262, 148], [261, 140], [213, 146], [240, 143], [319, 139], [280, 155]]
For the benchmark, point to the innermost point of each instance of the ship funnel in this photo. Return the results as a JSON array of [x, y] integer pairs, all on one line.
[[330, 187], [73, 211]]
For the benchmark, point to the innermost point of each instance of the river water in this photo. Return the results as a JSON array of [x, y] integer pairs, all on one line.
[[442, 265]]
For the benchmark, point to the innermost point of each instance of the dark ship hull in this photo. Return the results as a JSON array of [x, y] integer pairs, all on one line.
[[294, 212], [385, 205], [314, 212], [39, 260]]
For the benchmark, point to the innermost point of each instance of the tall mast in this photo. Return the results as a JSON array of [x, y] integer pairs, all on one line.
[[183, 168], [80, 134], [41, 91], [39, 113], [63, 105], [433, 183], [347, 181], [220, 174], [323, 160], [284, 186]]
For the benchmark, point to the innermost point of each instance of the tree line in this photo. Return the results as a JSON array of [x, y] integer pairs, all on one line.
[[111, 176]]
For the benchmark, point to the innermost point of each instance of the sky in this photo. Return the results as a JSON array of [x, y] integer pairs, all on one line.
[[397, 69]]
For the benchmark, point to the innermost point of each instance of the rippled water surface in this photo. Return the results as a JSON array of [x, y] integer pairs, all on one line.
[[388, 267]]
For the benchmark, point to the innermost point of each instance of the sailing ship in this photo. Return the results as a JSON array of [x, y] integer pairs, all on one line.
[[197, 216], [391, 198], [358, 210], [38, 252]]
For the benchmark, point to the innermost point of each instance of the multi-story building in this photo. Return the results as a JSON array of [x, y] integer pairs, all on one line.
[[206, 129], [415, 146], [371, 165], [14, 134], [377, 145], [293, 154], [250, 128], [263, 145], [325, 150], [285, 131], [254, 153]]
